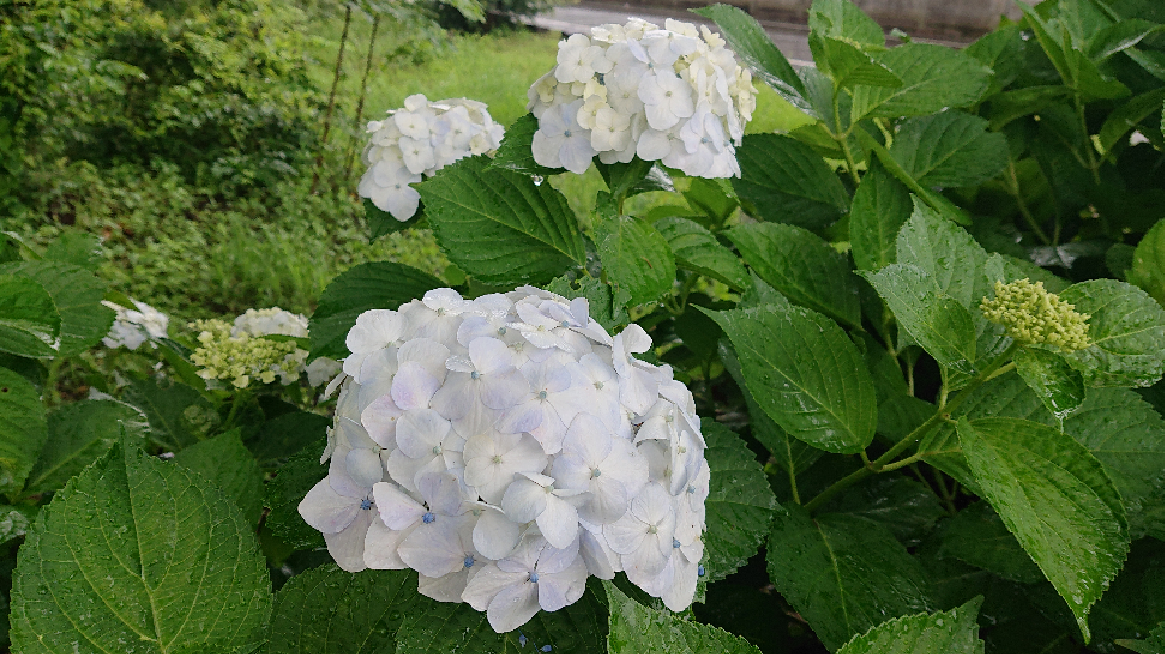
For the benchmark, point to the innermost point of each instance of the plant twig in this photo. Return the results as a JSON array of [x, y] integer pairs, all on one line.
[[354, 142], [315, 179]]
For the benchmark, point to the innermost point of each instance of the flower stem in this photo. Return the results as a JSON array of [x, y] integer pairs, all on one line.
[[884, 462]]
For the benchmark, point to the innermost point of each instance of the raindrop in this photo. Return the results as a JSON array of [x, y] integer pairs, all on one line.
[[537, 180]]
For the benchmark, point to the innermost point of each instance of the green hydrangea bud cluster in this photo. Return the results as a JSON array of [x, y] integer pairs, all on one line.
[[243, 356], [1033, 315]]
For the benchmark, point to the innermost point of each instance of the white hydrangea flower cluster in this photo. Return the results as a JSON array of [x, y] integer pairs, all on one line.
[[132, 328], [507, 448], [663, 94], [422, 138], [239, 353], [273, 320]]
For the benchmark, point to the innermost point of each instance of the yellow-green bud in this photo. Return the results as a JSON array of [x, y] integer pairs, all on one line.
[[1033, 315], [241, 358]]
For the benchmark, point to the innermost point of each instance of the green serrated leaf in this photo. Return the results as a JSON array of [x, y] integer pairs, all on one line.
[[935, 201], [284, 493], [225, 461], [1118, 37], [978, 537], [282, 436], [381, 222], [752, 45], [696, 249], [178, 415], [1047, 373], [1054, 495], [441, 627], [499, 226], [1126, 117], [626, 179], [326, 610], [1127, 331], [636, 629], [376, 285], [1148, 266], [999, 50], [844, 19], [1131, 606], [786, 181], [77, 295], [905, 507], [949, 632], [1154, 644], [881, 206], [739, 505], [805, 373], [934, 78], [76, 248], [848, 65], [636, 259], [951, 148], [802, 266], [179, 568], [79, 434], [29, 322], [938, 322], [843, 574], [792, 455], [514, 153], [22, 432]]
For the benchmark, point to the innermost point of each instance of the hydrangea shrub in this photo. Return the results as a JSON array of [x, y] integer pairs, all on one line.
[[888, 380]]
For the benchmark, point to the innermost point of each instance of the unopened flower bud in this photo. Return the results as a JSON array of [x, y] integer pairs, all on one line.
[[1033, 315]]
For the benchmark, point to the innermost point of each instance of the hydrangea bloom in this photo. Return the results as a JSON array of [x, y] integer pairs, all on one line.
[[422, 138], [674, 95], [239, 352], [507, 448], [1033, 315], [132, 328]]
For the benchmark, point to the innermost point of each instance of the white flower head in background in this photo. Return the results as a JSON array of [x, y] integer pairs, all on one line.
[[506, 448], [132, 328], [674, 95], [420, 139], [239, 352]]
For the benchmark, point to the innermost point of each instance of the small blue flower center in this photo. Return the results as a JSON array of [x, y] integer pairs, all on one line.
[[436, 449], [469, 561], [691, 490], [533, 577], [542, 395], [596, 473], [564, 323], [566, 133], [546, 648], [700, 571], [366, 505], [428, 518], [475, 375], [675, 543], [501, 331]]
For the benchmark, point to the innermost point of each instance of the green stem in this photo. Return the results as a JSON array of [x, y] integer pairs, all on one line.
[[843, 139], [793, 483], [1013, 186], [883, 462], [1093, 165]]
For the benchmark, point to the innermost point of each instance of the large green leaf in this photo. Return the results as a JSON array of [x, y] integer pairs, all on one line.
[[283, 436], [938, 322], [1148, 269], [739, 505], [802, 266], [381, 222], [636, 258], [499, 226], [1055, 496], [948, 632], [794, 456], [178, 415], [844, 19], [843, 574], [848, 65], [949, 149], [446, 627], [881, 206], [22, 431], [79, 434], [1131, 606], [637, 629], [946, 252], [143, 554], [603, 308], [786, 181], [934, 78], [29, 322], [1154, 644], [225, 461], [78, 248], [1126, 117], [905, 507], [1047, 373], [752, 45], [376, 285], [977, 536], [284, 493], [77, 295], [328, 611], [805, 373], [1127, 332], [696, 249]]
